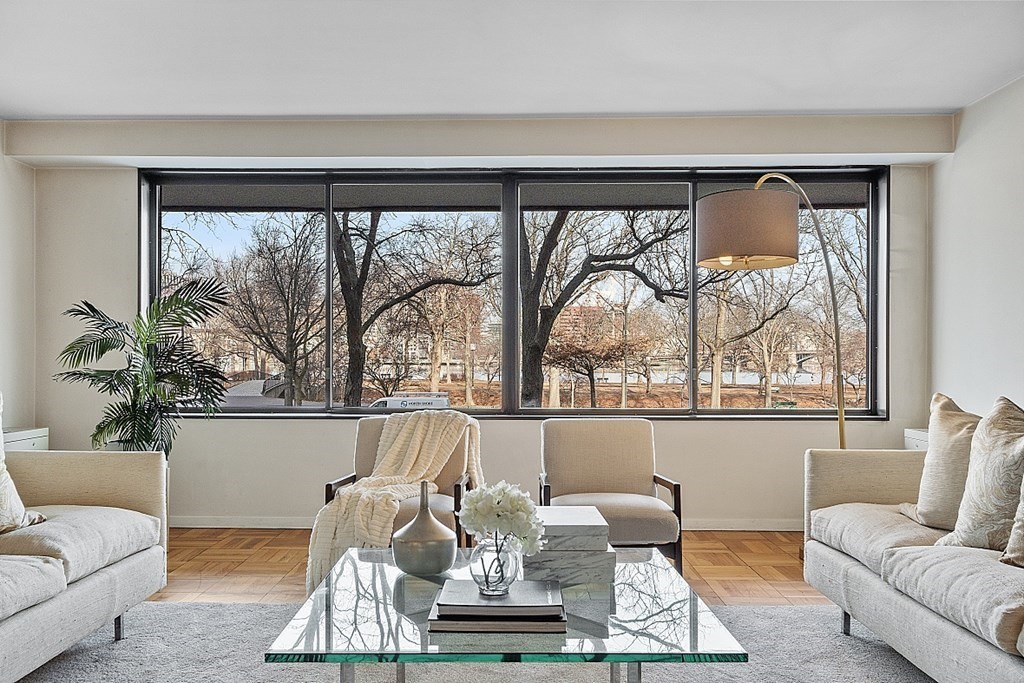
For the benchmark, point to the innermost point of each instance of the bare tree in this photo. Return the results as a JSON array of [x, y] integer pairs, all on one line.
[[729, 317], [277, 302], [388, 362], [564, 253], [384, 261], [584, 343], [767, 296]]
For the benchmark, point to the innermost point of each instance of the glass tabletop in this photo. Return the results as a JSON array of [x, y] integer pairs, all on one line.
[[367, 610]]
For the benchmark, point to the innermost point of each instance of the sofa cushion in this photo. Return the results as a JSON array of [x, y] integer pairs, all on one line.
[[633, 519], [84, 538], [866, 530], [994, 475], [968, 586], [945, 465], [27, 580]]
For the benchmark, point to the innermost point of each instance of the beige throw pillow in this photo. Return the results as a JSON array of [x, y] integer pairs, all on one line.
[[945, 465], [1014, 553], [13, 514], [993, 490]]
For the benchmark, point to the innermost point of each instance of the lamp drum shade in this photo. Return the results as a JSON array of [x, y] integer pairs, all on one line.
[[747, 229]]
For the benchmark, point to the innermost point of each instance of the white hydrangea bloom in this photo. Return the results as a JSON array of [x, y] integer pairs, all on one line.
[[506, 512]]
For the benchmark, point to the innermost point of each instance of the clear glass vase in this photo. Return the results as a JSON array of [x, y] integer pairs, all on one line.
[[495, 565]]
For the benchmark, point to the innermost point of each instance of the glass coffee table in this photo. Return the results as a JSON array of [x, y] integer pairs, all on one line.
[[369, 611]]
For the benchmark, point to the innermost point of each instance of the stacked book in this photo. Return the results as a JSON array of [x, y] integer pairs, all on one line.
[[529, 607], [576, 549]]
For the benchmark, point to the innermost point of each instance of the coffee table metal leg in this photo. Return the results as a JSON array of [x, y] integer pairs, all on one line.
[[616, 672], [348, 673], [400, 672], [633, 672]]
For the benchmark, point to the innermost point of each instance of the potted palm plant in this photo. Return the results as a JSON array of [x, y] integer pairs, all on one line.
[[163, 370]]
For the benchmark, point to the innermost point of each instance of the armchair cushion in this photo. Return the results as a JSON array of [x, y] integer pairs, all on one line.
[[581, 455], [84, 538], [633, 519], [866, 530]]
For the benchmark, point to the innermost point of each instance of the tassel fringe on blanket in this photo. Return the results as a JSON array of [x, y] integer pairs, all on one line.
[[413, 447]]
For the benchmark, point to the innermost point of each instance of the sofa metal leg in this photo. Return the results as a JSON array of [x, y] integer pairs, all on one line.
[[118, 627], [846, 623]]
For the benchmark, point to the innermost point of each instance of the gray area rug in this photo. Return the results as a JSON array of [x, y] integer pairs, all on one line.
[[220, 643]]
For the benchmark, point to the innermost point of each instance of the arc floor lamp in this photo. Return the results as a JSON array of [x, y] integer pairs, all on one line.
[[756, 229]]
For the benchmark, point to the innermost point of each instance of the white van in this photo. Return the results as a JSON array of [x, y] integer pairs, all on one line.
[[413, 400]]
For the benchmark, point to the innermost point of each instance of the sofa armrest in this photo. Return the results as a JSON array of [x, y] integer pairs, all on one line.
[[130, 480], [832, 477]]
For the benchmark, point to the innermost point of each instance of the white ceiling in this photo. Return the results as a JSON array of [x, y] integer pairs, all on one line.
[[367, 58]]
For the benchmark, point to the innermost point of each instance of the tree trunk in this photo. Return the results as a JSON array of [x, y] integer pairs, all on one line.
[[717, 363], [468, 364], [593, 387], [766, 359], [554, 390], [533, 375], [436, 342], [289, 383]]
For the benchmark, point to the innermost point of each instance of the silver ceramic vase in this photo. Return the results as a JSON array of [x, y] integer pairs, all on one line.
[[424, 546]]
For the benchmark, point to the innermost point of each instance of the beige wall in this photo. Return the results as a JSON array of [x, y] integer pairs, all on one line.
[[87, 249], [17, 290], [977, 283], [735, 474], [734, 140]]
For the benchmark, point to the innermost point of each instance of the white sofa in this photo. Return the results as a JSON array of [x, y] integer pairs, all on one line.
[[955, 613], [101, 550]]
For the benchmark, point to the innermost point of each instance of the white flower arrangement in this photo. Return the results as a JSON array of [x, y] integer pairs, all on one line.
[[506, 514]]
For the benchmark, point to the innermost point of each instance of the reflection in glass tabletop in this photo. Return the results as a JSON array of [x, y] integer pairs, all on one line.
[[367, 610]]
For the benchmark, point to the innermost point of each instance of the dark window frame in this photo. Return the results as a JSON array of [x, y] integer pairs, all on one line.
[[152, 180]]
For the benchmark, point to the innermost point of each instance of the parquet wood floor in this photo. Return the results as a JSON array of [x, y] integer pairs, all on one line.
[[269, 565]]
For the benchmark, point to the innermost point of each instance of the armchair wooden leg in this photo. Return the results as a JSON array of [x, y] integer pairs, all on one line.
[[846, 623], [118, 627], [679, 554]]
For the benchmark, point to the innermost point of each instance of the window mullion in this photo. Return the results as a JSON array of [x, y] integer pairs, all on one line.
[[329, 293], [510, 313], [693, 381]]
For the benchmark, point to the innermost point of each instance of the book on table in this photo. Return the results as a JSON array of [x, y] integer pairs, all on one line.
[[546, 624], [525, 599], [529, 607]]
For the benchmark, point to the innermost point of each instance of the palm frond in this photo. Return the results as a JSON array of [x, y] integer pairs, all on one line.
[[117, 381], [190, 304], [163, 370], [90, 347]]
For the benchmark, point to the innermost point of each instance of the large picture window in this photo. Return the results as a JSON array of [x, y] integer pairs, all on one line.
[[515, 292]]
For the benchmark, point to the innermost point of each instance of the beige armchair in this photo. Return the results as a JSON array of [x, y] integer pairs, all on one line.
[[609, 463], [452, 482]]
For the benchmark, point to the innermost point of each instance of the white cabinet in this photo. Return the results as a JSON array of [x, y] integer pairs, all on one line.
[[915, 439], [27, 439]]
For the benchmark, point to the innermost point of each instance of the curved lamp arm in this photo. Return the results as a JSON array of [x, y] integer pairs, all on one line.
[[837, 379]]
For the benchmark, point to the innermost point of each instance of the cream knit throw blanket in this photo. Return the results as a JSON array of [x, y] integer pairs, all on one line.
[[413, 447]]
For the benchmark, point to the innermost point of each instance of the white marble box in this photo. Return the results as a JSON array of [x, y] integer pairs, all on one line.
[[573, 527], [571, 567]]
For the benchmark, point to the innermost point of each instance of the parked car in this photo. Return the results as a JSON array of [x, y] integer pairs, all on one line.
[[413, 400]]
